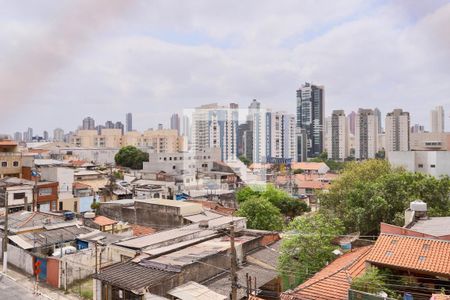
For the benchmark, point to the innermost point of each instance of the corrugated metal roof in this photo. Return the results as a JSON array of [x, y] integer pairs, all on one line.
[[132, 276]]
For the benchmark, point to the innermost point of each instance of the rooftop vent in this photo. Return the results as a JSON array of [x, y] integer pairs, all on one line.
[[203, 224], [418, 205]]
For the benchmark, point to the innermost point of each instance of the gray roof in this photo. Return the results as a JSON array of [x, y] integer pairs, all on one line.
[[222, 285], [195, 291], [268, 255], [132, 276], [436, 226]]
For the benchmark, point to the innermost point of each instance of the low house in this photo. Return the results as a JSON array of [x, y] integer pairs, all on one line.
[[47, 196], [18, 191], [166, 264]]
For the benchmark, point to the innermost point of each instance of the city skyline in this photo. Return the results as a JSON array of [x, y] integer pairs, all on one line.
[[189, 61]]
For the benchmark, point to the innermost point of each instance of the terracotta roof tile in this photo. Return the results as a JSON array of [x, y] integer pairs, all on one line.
[[311, 166], [139, 230], [424, 255], [104, 221], [333, 281]]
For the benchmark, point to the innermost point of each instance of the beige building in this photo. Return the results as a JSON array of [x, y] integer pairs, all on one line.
[[430, 141], [437, 118], [160, 141], [397, 131], [366, 134], [10, 159]]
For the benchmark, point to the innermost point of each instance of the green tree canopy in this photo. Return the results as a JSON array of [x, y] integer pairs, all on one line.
[[373, 281], [371, 192], [245, 160], [307, 247], [261, 214], [131, 157]]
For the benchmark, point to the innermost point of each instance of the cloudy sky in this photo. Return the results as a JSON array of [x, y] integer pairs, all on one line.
[[63, 60]]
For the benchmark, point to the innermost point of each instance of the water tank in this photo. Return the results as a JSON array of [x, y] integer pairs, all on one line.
[[89, 215], [418, 205]]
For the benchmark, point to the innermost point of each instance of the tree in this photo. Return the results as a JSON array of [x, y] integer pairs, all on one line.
[[372, 282], [131, 157], [307, 247], [245, 160], [261, 214], [371, 192], [247, 192]]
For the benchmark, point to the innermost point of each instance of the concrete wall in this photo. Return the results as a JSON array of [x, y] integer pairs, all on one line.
[[65, 177], [435, 163], [19, 258]]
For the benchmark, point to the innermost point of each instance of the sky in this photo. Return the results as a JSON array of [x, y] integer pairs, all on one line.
[[61, 61]]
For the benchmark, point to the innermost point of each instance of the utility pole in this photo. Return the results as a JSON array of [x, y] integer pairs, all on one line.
[[96, 258], [233, 264], [5, 236]]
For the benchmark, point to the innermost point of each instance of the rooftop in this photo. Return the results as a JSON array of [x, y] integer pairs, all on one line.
[[436, 226], [104, 221], [422, 255], [193, 290], [333, 281], [132, 276]]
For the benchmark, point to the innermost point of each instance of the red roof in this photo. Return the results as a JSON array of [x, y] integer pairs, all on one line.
[[104, 221], [423, 255], [333, 281], [139, 230], [8, 143], [80, 186], [309, 166]]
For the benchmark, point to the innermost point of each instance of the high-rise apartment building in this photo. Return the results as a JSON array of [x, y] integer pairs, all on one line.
[[417, 128], [175, 122], [88, 124], [45, 135], [185, 126], [29, 135], [337, 136], [366, 134], [18, 136], [351, 122], [377, 113], [129, 122], [109, 125], [58, 135], [397, 131], [215, 126], [119, 125], [437, 119], [310, 116]]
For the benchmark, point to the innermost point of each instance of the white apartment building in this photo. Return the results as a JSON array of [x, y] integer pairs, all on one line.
[[215, 126], [397, 131], [435, 163], [437, 118], [337, 140], [366, 134]]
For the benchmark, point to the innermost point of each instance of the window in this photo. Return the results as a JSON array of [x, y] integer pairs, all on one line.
[[393, 242], [4, 164], [389, 253], [18, 196], [60, 206], [422, 258], [432, 166], [45, 191], [420, 166], [15, 164], [75, 206], [425, 247]]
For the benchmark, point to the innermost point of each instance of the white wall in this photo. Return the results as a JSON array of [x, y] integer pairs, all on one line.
[[436, 163]]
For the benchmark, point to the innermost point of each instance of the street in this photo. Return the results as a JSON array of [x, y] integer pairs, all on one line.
[[10, 289]]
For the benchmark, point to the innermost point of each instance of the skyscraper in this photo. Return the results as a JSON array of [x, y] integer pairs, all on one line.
[[29, 135], [186, 127], [45, 135], [417, 128], [119, 125], [215, 126], [58, 135], [18, 136], [129, 122], [175, 122], [338, 136], [88, 124], [366, 134], [437, 119], [109, 124], [245, 132], [351, 122], [310, 116], [377, 113], [397, 131]]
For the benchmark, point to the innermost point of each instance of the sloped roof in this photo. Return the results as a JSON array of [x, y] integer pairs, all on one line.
[[333, 281], [195, 291], [132, 276], [104, 221], [310, 166], [423, 255]]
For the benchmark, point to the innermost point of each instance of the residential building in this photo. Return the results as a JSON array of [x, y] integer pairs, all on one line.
[[244, 131], [88, 124], [366, 134], [161, 141], [417, 128], [19, 193], [129, 122], [435, 163], [119, 125], [47, 196], [215, 126], [289, 137], [377, 113], [18, 137], [175, 122], [10, 158], [302, 144], [337, 136], [351, 122], [259, 130], [185, 126], [433, 141], [310, 116], [437, 118], [58, 135], [45, 136], [109, 124], [63, 175], [397, 131]]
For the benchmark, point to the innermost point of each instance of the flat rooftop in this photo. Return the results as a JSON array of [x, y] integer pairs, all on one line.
[[437, 226]]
